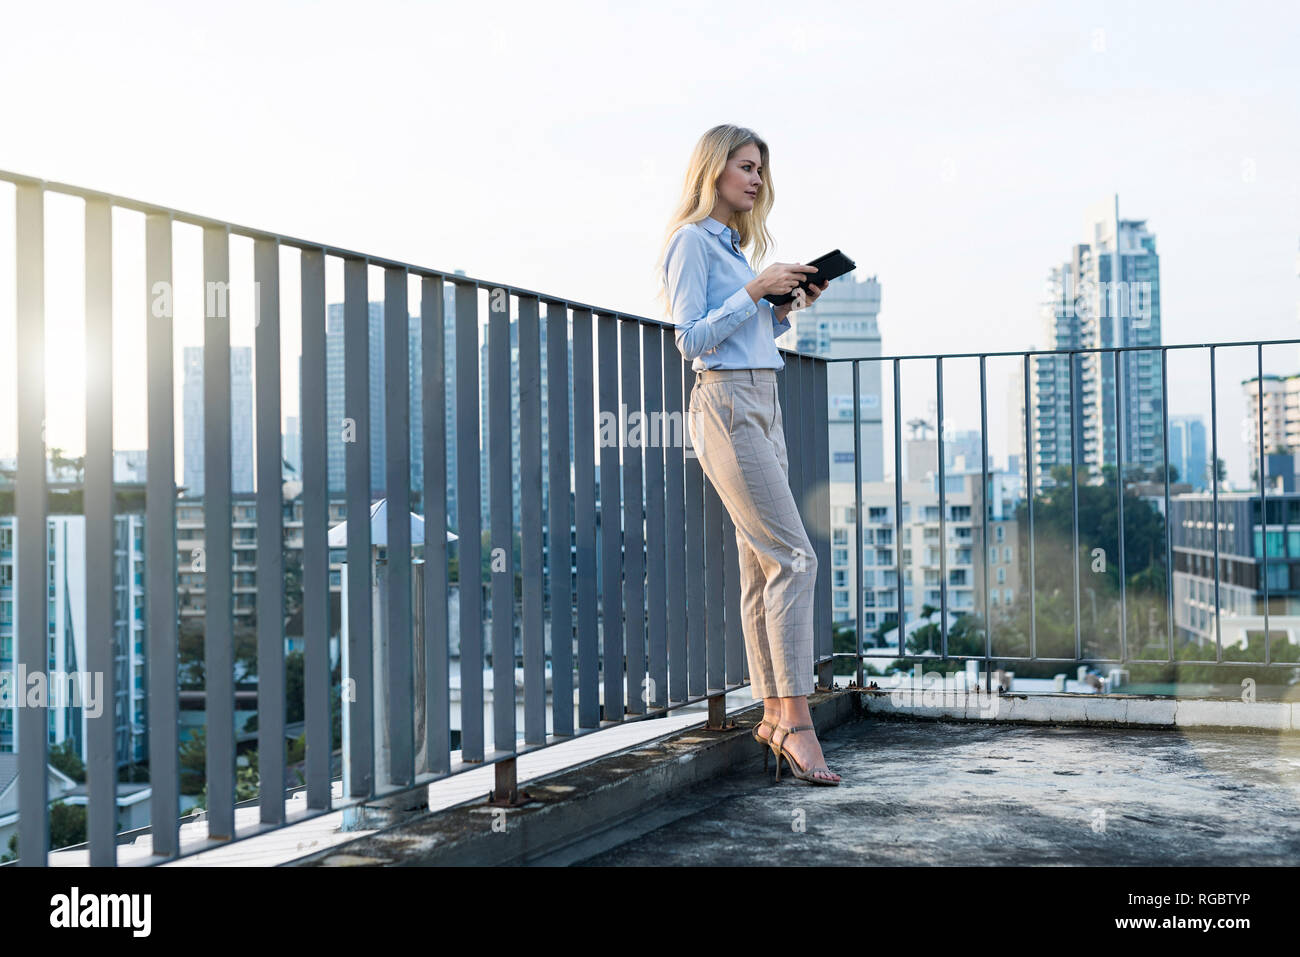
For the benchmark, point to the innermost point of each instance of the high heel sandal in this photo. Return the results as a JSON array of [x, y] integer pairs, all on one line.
[[798, 770], [768, 740]]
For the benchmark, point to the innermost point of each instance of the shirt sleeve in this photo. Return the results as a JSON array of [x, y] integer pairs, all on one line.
[[686, 273], [779, 326]]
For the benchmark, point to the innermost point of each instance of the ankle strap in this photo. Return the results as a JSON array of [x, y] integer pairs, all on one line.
[[802, 727]]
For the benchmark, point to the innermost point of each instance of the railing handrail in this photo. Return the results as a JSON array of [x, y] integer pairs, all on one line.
[[250, 232], [1021, 353]]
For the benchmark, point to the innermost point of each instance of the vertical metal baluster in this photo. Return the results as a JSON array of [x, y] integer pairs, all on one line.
[[559, 520], [656, 568], [734, 664], [397, 482], [469, 546], [218, 642], [533, 624], [1263, 498], [501, 520], [821, 525], [674, 520], [270, 534], [160, 542], [1074, 500], [1169, 563], [943, 509], [1029, 496], [984, 522], [611, 556], [433, 385], [898, 508], [715, 638], [1121, 394], [31, 608], [585, 519], [1214, 473], [359, 673], [859, 636], [101, 746], [317, 691], [696, 628], [634, 641]]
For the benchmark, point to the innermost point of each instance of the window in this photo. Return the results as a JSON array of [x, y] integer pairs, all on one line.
[[1002, 576], [1006, 594], [1006, 554], [839, 556], [840, 536], [1001, 533], [993, 554]]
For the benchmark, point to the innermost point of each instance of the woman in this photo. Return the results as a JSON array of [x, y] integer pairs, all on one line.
[[727, 329]]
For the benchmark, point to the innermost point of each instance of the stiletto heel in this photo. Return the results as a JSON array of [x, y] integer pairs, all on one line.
[[771, 749], [798, 770]]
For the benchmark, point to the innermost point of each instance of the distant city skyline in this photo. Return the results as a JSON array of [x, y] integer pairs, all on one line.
[[945, 194]]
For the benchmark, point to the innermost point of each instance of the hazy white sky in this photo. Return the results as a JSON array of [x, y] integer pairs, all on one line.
[[951, 148]]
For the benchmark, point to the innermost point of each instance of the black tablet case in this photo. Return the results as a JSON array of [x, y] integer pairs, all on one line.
[[831, 266]]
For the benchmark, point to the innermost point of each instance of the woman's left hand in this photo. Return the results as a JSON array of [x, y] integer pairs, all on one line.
[[801, 300]]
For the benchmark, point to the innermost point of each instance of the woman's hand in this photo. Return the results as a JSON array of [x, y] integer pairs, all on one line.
[[781, 278], [801, 299]]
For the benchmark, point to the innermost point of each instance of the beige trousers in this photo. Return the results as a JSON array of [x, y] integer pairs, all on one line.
[[734, 423]]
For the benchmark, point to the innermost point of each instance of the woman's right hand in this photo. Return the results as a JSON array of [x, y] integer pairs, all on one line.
[[778, 279]]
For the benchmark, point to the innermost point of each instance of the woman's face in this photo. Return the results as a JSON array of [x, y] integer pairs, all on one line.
[[741, 180]]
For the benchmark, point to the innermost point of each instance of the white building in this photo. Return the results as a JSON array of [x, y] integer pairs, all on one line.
[[66, 571], [921, 547]]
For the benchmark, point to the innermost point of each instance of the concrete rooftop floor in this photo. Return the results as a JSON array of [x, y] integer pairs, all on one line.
[[959, 793]]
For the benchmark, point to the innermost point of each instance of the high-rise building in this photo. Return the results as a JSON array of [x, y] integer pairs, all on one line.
[[67, 629], [1187, 450], [241, 420], [292, 444], [842, 323], [335, 395], [1281, 401], [1106, 295], [513, 386]]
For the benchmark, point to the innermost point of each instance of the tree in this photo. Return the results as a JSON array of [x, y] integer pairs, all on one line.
[[64, 757], [1222, 472], [67, 827]]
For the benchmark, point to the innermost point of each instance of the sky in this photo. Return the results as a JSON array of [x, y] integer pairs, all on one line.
[[952, 149]]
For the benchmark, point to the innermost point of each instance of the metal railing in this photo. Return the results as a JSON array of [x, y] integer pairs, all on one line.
[[670, 635], [1245, 568]]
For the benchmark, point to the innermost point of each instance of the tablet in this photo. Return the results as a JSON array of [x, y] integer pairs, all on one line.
[[831, 266]]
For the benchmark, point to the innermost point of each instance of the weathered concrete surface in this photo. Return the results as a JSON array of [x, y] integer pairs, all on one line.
[[573, 810], [973, 793]]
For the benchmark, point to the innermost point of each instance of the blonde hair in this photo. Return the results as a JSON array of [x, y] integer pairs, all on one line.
[[700, 191]]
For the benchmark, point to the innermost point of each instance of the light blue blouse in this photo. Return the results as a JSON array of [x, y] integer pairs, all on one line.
[[718, 325]]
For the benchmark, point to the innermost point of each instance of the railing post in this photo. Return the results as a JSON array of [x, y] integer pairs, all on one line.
[[218, 644], [101, 770], [31, 608]]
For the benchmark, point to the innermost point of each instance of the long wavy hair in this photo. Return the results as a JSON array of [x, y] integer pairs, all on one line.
[[700, 192]]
